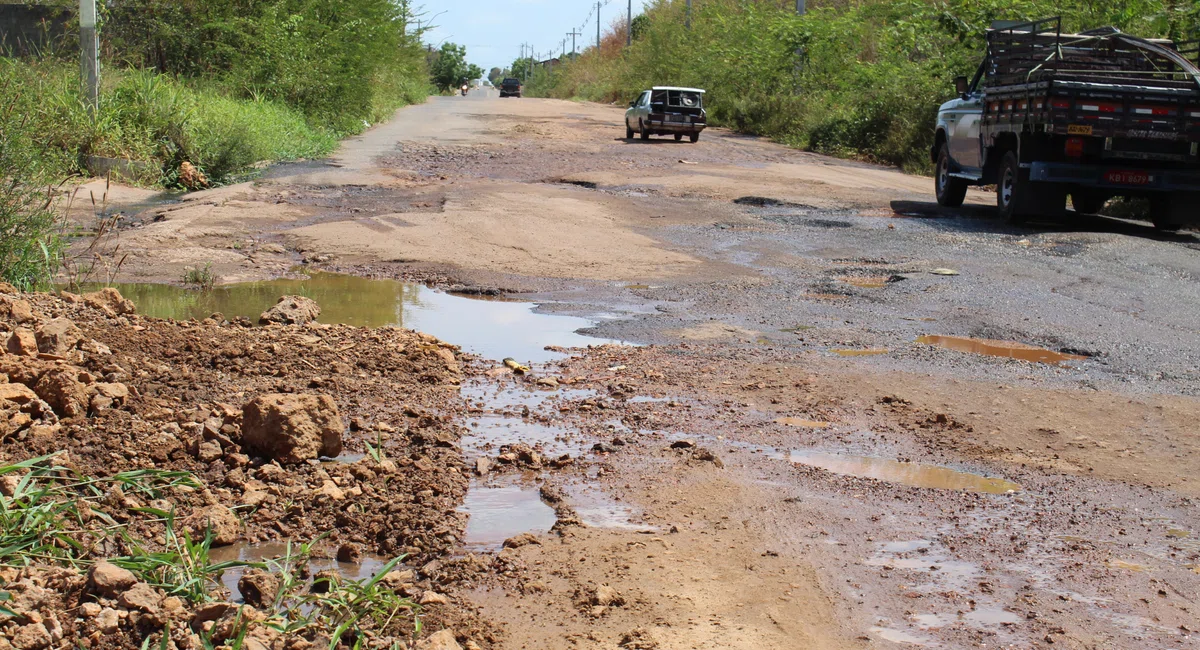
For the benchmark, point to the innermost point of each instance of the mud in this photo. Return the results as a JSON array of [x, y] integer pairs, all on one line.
[[1000, 349]]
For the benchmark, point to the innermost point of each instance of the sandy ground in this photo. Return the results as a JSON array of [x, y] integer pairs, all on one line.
[[748, 266]]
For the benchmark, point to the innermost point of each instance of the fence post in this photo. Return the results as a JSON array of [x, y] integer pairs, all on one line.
[[89, 53]]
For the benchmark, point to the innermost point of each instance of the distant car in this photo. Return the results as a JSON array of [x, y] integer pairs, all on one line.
[[511, 87], [667, 110]]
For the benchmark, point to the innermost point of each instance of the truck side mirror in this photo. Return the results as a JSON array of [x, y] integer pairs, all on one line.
[[962, 85]]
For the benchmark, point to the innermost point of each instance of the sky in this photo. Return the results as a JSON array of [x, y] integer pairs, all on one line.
[[493, 30]]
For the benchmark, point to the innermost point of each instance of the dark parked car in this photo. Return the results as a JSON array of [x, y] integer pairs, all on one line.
[[510, 87], [666, 110]]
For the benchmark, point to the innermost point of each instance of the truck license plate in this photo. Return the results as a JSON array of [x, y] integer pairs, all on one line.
[[1128, 178]]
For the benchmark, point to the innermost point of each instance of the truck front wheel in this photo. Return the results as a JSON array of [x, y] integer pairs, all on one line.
[[950, 191]]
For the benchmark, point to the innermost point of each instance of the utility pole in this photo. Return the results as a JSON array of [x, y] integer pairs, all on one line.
[[800, 7], [688, 19], [573, 34], [89, 56], [597, 26], [629, 24]]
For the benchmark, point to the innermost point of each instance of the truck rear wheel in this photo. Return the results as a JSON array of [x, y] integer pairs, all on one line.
[[695, 137], [950, 191], [1173, 211], [1010, 190]]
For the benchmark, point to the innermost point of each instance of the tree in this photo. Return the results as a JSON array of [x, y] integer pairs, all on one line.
[[521, 68], [450, 67], [495, 75], [474, 72]]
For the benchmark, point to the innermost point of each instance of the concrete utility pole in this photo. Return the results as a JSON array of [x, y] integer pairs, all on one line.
[[597, 26], [573, 34], [800, 7], [688, 19], [629, 24], [89, 55]]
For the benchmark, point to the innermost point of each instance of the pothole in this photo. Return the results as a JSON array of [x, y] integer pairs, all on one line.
[[276, 553], [894, 471], [500, 511], [1007, 349], [491, 328]]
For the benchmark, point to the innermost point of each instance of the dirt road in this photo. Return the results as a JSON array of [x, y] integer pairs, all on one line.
[[793, 465]]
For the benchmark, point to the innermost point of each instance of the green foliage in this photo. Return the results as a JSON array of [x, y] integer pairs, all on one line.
[[860, 79], [450, 67], [202, 278], [29, 243], [495, 75]]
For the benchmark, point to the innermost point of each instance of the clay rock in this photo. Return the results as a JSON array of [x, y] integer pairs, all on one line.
[[192, 178], [443, 640], [292, 310], [34, 636], [259, 588], [606, 596], [109, 580], [108, 395], [58, 337], [22, 342], [524, 539], [15, 310], [141, 597], [292, 428], [110, 301], [63, 391], [220, 520], [17, 393]]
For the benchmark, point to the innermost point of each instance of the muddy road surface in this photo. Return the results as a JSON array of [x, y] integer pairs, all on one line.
[[818, 410]]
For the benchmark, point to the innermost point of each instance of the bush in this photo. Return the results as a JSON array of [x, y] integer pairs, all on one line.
[[29, 242]]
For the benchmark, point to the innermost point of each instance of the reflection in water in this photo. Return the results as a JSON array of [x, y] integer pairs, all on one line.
[[498, 513], [260, 553], [491, 328], [914, 474], [1006, 349]]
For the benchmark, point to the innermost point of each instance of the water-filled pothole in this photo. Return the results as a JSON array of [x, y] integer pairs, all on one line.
[[1008, 349], [492, 328], [500, 511], [278, 551], [894, 471]]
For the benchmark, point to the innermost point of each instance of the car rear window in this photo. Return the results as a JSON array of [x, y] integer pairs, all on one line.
[[512, 82], [677, 98]]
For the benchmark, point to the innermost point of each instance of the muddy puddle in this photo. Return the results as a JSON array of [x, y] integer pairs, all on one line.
[[504, 509], [893, 471], [276, 552], [491, 328], [868, 352], [1007, 349]]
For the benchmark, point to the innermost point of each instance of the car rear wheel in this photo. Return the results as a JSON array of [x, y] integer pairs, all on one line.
[[950, 191], [645, 133], [695, 138]]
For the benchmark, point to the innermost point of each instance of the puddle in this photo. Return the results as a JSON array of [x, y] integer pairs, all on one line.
[[263, 552], [913, 474], [870, 352], [491, 328], [1007, 349], [1179, 533], [877, 282], [598, 510], [798, 422], [900, 636], [1127, 566], [500, 512]]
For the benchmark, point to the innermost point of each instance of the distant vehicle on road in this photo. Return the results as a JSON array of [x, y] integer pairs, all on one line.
[[667, 110], [1094, 115], [511, 87]]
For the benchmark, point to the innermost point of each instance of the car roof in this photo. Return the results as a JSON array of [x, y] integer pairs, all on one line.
[[690, 90]]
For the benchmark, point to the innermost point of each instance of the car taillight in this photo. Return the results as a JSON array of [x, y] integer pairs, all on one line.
[[1074, 148]]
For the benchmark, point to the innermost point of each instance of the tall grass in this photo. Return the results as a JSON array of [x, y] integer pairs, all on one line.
[[861, 79]]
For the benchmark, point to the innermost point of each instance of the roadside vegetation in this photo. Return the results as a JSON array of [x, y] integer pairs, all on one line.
[[856, 79]]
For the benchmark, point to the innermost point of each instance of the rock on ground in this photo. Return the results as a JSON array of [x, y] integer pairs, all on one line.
[[110, 301], [292, 310], [58, 337], [443, 640], [110, 580], [292, 428], [224, 524], [259, 588]]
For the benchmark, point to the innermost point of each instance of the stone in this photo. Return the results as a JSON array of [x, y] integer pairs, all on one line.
[[141, 597], [482, 466], [702, 454], [292, 310], [109, 580], [524, 539], [348, 553], [9, 484], [17, 393], [62, 390], [108, 621], [259, 588], [110, 301], [22, 342], [15, 310], [394, 580], [191, 178], [331, 490], [442, 640], [434, 598], [58, 337], [606, 596], [34, 636], [221, 520], [683, 444], [292, 428], [208, 451]]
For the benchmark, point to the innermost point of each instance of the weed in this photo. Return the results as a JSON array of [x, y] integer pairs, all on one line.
[[200, 278]]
